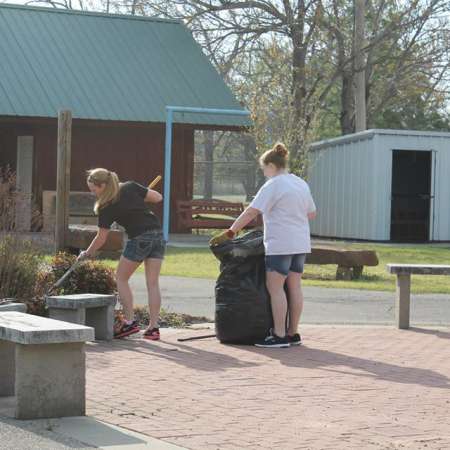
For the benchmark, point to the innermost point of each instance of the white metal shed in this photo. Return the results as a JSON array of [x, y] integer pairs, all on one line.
[[382, 185]]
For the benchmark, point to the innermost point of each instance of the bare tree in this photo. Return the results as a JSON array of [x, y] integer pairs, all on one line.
[[296, 23], [403, 40], [64, 4]]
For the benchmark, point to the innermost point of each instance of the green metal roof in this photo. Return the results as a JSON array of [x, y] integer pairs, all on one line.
[[105, 67]]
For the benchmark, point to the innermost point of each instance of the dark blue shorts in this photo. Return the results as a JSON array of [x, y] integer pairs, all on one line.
[[150, 244], [284, 264]]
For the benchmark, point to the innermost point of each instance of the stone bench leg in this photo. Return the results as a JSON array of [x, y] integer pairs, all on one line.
[[102, 320], [77, 316], [403, 300], [50, 380], [7, 368]]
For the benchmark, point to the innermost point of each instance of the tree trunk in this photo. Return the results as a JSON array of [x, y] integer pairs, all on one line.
[[133, 7], [208, 139], [297, 147], [347, 117], [249, 180], [360, 77]]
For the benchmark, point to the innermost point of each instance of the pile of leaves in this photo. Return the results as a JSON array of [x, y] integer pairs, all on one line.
[[167, 318]]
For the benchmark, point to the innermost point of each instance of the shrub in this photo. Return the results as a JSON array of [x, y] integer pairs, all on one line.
[[20, 264], [90, 276]]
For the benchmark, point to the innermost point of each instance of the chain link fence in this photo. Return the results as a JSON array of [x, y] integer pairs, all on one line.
[[225, 167]]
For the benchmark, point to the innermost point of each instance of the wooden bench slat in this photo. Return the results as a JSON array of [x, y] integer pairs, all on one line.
[[342, 257], [193, 213], [418, 269]]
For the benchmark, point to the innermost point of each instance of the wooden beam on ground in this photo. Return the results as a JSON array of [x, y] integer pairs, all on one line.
[[63, 177]]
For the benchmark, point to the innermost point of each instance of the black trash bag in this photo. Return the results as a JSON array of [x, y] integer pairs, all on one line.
[[243, 311], [250, 244]]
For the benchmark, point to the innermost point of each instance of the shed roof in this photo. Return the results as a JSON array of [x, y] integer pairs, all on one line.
[[369, 134], [105, 67]]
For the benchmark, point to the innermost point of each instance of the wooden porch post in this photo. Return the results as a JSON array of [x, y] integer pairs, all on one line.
[[24, 185], [63, 177]]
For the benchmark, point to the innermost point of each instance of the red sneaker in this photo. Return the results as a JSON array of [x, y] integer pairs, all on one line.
[[152, 334]]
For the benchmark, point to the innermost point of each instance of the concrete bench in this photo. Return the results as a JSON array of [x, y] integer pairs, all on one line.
[[93, 310], [403, 295], [12, 306], [43, 365]]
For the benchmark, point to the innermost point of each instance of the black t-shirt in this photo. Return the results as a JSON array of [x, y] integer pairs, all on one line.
[[129, 211]]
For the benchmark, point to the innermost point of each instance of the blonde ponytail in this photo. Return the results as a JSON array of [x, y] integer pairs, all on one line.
[[110, 180], [278, 155]]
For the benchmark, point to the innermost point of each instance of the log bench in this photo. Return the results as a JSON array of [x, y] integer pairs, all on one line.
[[403, 290], [350, 263], [43, 365], [93, 310], [210, 214]]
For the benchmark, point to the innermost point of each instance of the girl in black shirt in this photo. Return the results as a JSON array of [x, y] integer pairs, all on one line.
[[127, 204]]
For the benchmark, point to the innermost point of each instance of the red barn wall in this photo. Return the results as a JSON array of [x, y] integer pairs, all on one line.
[[134, 151]]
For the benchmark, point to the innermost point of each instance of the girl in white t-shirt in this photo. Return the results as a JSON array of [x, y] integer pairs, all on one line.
[[286, 204]]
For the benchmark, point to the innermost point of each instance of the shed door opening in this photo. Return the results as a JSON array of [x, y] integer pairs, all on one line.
[[411, 196]]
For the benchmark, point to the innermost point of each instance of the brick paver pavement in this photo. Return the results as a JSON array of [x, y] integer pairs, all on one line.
[[345, 388]]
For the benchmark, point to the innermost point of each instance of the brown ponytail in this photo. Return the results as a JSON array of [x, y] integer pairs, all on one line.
[[111, 182], [278, 155]]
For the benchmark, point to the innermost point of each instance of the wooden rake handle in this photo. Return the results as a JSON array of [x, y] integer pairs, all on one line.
[[155, 182]]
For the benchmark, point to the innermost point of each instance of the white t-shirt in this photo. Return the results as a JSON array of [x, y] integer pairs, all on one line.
[[285, 202]]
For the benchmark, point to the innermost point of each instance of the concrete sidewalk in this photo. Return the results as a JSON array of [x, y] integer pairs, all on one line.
[[364, 388], [195, 296], [73, 433], [29, 435]]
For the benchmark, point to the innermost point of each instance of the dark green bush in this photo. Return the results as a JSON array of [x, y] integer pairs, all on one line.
[[89, 277], [20, 264]]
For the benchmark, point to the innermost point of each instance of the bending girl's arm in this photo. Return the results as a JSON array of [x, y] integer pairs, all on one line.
[[97, 243], [153, 196], [245, 218]]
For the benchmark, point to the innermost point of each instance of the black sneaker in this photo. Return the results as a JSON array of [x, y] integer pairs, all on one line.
[[295, 339], [273, 341]]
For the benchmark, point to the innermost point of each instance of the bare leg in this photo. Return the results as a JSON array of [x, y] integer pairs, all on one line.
[[125, 269], [295, 301], [152, 271], [275, 286]]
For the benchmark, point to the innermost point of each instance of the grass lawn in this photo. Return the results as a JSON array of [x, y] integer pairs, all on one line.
[[200, 263]]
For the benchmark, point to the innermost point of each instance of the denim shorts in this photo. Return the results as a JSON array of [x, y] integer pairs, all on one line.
[[150, 244], [284, 264]]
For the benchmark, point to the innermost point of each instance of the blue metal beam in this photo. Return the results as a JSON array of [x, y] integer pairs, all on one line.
[[170, 110], [167, 173]]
